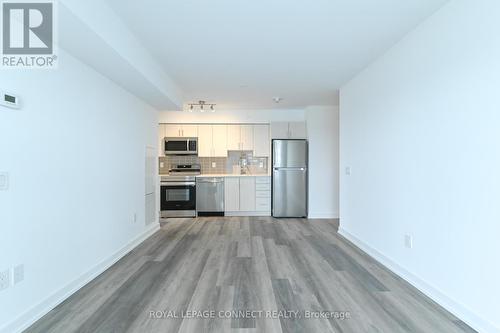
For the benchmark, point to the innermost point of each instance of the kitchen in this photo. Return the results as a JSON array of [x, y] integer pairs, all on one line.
[[224, 169], [312, 157]]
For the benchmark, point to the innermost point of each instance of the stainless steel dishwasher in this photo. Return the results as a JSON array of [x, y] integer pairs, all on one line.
[[210, 196]]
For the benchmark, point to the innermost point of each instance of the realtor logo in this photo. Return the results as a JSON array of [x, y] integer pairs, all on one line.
[[28, 34]]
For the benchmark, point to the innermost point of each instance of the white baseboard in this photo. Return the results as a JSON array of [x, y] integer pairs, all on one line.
[[36, 312], [323, 215], [456, 308], [247, 213]]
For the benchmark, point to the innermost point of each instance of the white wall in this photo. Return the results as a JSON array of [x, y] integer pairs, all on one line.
[[232, 116], [420, 129], [323, 133], [75, 152], [114, 51]]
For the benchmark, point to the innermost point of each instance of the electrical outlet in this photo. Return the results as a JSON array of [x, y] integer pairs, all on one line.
[[409, 241], [214, 165], [5, 279], [17, 274], [348, 171]]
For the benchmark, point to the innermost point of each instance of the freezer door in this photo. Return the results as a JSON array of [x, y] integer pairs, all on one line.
[[290, 192], [289, 153]]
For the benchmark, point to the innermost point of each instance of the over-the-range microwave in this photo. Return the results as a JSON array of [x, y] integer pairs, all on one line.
[[181, 146]]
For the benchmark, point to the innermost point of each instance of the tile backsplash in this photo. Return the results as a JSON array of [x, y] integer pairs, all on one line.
[[235, 161]]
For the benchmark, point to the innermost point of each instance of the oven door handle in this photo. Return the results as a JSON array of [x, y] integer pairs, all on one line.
[[178, 184]]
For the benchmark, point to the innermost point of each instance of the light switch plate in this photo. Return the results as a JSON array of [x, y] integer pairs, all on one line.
[[409, 241], [5, 279], [348, 171], [4, 181], [17, 274]]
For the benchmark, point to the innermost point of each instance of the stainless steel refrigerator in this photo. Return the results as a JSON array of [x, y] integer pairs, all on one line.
[[289, 178]]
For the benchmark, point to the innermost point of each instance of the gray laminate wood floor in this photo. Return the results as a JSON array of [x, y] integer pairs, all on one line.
[[290, 269]]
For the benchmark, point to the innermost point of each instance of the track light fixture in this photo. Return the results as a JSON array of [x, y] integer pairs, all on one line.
[[201, 106]]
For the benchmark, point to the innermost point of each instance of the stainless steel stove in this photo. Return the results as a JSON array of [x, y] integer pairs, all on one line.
[[178, 191]]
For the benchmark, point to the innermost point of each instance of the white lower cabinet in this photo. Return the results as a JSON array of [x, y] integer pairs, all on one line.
[[263, 194], [232, 194], [263, 204], [247, 196]]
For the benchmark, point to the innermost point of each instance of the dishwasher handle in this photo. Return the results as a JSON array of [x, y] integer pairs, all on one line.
[[210, 180]]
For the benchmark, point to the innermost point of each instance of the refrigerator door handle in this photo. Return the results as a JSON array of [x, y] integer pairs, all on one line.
[[289, 169]]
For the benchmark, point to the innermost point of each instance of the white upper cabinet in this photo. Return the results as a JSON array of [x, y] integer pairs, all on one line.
[[190, 131], [261, 143], [219, 141], [161, 138], [212, 141], [297, 130], [288, 130], [205, 140], [279, 130], [173, 130], [181, 130], [246, 135], [239, 137], [233, 137]]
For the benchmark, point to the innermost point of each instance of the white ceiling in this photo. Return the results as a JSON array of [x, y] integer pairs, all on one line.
[[242, 53]]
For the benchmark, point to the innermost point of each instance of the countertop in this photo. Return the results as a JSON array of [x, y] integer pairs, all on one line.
[[231, 175], [207, 175]]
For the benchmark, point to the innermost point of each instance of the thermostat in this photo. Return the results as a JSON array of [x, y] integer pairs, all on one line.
[[9, 100]]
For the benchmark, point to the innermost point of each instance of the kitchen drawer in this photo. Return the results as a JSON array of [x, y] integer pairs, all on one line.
[[263, 194], [263, 180], [262, 187], [263, 204]]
